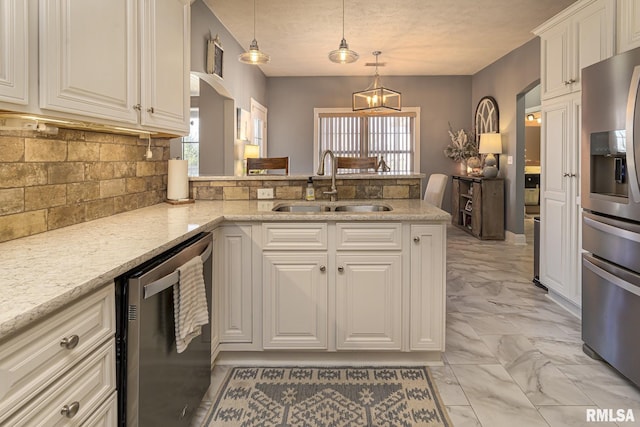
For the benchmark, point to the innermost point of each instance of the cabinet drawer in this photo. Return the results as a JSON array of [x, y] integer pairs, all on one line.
[[369, 236], [88, 385], [106, 415], [277, 236], [35, 358]]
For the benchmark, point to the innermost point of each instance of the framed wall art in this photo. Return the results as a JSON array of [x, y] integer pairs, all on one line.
[[215, 55]]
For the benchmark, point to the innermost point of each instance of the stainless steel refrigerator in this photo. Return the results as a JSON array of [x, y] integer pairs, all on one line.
[[610, 195]]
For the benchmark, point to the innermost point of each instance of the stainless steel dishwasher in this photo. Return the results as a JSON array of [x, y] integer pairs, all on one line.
[[157, 386]]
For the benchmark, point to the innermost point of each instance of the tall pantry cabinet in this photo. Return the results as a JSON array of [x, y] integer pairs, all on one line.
[[579, 36]]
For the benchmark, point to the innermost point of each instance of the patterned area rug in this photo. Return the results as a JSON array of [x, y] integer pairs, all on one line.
[[328, 397]]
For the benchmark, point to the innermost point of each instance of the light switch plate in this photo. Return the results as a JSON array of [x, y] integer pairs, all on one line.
[[509, 160], [265, 193]]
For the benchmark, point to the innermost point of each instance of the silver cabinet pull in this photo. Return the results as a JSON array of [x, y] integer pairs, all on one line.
[[71, 410], [323, 268], [340, 269], [137, 107], [416, 239], [70, 342], [565, 174], [150, 110]]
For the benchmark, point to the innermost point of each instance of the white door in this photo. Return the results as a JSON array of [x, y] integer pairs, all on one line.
[[166, 35], [88, 58], [235, 284], [368, 301], [295, 300], [559, 227], [14, 51], [428, 248], [259, 126]]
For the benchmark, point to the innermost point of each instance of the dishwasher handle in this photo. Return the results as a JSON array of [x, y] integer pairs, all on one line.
[[171, 279]]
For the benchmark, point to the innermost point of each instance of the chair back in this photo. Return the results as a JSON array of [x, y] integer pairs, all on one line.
[[435, 189], [268, 163], [357, 163]]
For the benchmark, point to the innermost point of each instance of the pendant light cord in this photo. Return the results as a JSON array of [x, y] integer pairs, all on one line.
[[254, 19], [342, 19]]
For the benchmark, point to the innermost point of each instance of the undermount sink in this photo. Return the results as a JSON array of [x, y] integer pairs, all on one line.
[[285, 207], [362, 208], [301, 208]]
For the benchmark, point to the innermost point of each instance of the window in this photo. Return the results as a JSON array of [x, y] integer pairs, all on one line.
[[392, 136], [191, 144]]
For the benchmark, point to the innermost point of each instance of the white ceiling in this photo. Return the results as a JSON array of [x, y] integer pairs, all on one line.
[[416, 37]]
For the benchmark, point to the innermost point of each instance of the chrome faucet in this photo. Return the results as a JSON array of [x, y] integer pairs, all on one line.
[[333, 193]]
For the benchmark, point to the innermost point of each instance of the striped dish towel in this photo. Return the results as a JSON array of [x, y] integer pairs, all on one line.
[[189, 303]]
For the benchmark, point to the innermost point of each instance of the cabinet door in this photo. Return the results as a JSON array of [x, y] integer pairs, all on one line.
[[593, 37], [165, 64], [88, 58], [555, 59], [215, 297], [428, 250], [295, 300], [476, 210], [559, 182], [368, 301], [235, 284], [14, 51], [628, 25]]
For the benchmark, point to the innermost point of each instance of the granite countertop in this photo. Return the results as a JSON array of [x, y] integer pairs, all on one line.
[[274, 177], [44, 272]]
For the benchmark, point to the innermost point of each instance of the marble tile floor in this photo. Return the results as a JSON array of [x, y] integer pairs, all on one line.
[[513, 357]]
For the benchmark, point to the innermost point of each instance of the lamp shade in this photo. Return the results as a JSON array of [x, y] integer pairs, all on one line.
[[490, 143], [251, 151]]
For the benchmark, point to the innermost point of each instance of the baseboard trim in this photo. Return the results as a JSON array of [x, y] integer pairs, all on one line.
[[302, 358], [563, 302], [515, 239]]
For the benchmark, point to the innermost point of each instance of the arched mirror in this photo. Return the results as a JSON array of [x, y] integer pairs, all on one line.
[[487, 117]]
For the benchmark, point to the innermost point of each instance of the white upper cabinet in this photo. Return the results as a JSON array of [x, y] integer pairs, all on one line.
[[124, 61], [166, 62], [88, 57], [628, 25], [14, 51], [579, 36]]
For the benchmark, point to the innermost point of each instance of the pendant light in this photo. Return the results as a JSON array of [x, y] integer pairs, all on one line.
[[377, 97], [343, 55], [254, 56]]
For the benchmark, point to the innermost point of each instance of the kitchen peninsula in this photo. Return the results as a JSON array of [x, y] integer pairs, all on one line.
[[51, 270]]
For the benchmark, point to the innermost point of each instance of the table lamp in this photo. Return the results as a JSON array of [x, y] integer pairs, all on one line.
[[490, 144]]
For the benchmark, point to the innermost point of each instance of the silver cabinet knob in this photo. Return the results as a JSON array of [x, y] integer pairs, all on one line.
[[565, 174], [71, 410], [150, 110], [70, 342], [340, 269], [137, 107], [323, 268], [573, 175], [416, 239]]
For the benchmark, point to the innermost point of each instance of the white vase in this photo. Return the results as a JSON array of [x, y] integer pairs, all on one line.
[[463, 167]]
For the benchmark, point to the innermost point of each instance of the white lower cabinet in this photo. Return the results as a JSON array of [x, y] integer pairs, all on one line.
[[61, 371], [353, 286], [369, 301], [428, 295], [235, 283], [295, 300]]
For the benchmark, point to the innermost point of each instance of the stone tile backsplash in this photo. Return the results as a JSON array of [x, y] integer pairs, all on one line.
[[48, 182], [292, 189]]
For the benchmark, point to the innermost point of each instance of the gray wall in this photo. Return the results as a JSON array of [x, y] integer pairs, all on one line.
[[505, 79], [291, 101], [240, 83]]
